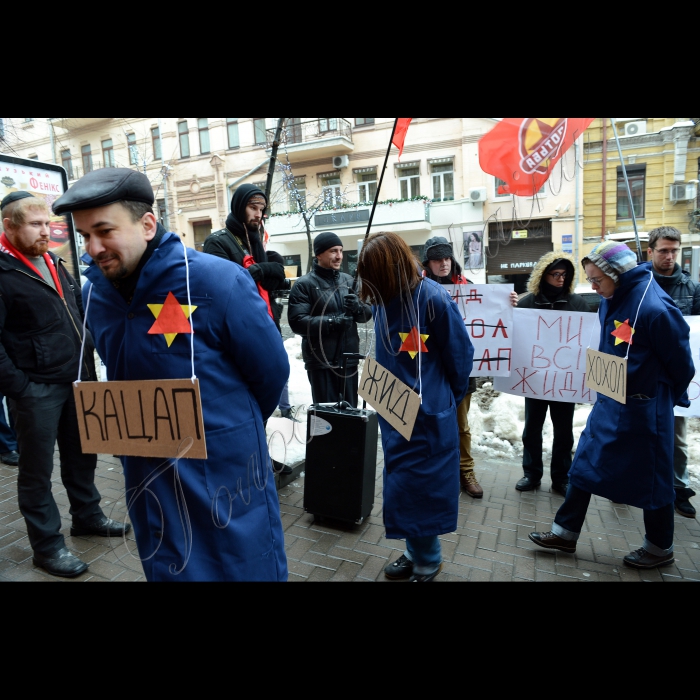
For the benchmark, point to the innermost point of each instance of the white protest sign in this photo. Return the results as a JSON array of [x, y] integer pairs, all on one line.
[[694, 388], [549, 355], [393, 400], [488, 315]]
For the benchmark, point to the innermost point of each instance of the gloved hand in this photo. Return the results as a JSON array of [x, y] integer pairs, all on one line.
[[256, 273], [351, 304], [267, 272], [340, 323]]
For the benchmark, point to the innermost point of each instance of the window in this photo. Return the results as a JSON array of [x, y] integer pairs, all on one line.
[[297, 194], [443, 177], [363, 121], [332, 195], [500, 184], [294, 130], [184, 135], [202, 231], [260, 132], [133, 150], [67, 163], [203, 127], [636, 174], [86, 153], [367, 185], [155, 138], [409, 182], [328, 124], [108, 153], [232, 128]]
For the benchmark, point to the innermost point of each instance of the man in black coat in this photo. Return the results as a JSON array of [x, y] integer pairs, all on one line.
[[664, 247], [324, 310], [241, 241], [41, 318]]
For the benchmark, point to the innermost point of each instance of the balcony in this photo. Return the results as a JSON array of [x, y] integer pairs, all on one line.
[[409, 216], [76, 123], [317, 138]]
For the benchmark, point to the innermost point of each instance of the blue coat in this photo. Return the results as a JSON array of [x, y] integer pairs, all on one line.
[[242, 367], [421, 477], [626, 451]]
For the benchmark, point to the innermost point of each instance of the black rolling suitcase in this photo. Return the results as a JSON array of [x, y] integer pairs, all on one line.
[[341, 462]]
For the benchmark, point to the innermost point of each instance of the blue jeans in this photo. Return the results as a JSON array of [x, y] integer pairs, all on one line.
[[425, 553], [568, 521], [284, 404], [8, 439]]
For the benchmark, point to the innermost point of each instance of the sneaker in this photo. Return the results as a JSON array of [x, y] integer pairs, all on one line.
[[10, 458], [402, 568], [683, 505], [425, 578], [549, 540], [470, 485], [641, 559]]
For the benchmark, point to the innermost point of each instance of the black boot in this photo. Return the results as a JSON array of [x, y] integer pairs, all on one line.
[[683, 505]]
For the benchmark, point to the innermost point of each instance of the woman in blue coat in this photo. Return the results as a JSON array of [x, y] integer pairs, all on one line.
[[625, 453], [422, 340]]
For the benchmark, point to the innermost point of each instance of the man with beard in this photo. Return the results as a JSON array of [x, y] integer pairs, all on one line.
[[240, 242], [214, 519], [41, 328]]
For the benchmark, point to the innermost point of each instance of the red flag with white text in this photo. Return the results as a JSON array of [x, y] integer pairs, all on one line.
[[399, 139], [523, 151]]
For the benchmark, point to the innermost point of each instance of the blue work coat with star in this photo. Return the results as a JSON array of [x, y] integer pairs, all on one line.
[[242, 368], [625, 452], [421, 476]]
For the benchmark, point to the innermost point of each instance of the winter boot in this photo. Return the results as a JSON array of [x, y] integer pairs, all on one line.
[[683, 505]]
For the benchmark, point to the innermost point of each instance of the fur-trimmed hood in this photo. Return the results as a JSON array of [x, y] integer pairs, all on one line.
[[544, 262]]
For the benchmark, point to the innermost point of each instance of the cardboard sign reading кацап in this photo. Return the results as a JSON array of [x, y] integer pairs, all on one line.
[[141, 419], [393, 400]]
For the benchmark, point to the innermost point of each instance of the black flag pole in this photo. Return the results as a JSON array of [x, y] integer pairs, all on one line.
[[376, 196]]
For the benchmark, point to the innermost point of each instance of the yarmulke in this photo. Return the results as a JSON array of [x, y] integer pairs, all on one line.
[[103, 187], [612, 258], [324, 241], [14, 197]]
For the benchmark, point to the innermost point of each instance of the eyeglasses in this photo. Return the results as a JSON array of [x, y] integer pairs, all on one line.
[[594, 280], [557, 275], [667, 251]]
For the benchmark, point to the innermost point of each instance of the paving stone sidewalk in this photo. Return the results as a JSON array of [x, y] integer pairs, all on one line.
[[490, 543]]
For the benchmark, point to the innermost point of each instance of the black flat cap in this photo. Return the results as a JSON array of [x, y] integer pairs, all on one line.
[[102, 187], [14, 197]]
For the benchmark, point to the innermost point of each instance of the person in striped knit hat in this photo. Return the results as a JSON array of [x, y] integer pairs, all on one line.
[[625, 453]]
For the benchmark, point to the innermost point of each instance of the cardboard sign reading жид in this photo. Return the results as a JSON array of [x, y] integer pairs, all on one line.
[[397, 403], [607, 374], [141, 419]]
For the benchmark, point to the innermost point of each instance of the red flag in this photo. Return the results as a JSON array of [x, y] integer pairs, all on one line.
[[523, 151], [400, 133]]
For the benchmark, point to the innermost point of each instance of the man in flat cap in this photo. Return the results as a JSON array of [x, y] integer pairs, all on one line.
[[41, 321], [199, 520], [325, 311]]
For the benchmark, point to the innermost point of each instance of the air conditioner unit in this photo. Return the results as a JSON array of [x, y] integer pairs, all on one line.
[[634, 129], [683, 192], [477, 194], [341, 162]]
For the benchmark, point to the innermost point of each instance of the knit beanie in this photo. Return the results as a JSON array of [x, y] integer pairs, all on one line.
[[612, 258], [324, 241]]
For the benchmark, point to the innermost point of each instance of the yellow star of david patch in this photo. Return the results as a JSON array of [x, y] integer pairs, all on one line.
[[171, 318], [623, 332], [412, 343]]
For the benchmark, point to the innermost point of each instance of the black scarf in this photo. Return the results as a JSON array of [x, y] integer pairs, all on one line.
[[553, 293], [234, 221]]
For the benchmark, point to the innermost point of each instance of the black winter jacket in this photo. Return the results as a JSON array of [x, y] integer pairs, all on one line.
[[684, 292], [314, 300], [40, 333]]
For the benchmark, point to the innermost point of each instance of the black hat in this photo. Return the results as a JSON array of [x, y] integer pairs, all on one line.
[[102, 187], [324, 241], [14, 197], [437, 248]]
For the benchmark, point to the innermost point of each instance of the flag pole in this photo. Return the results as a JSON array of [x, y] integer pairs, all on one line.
[[376, 196], [629, 192]]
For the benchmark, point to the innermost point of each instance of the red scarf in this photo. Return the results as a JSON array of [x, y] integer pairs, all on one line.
[[7, 247], [247, 262]]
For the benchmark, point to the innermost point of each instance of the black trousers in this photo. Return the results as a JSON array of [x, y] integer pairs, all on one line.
[[327, 385], [44, 414], [562, 416]]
